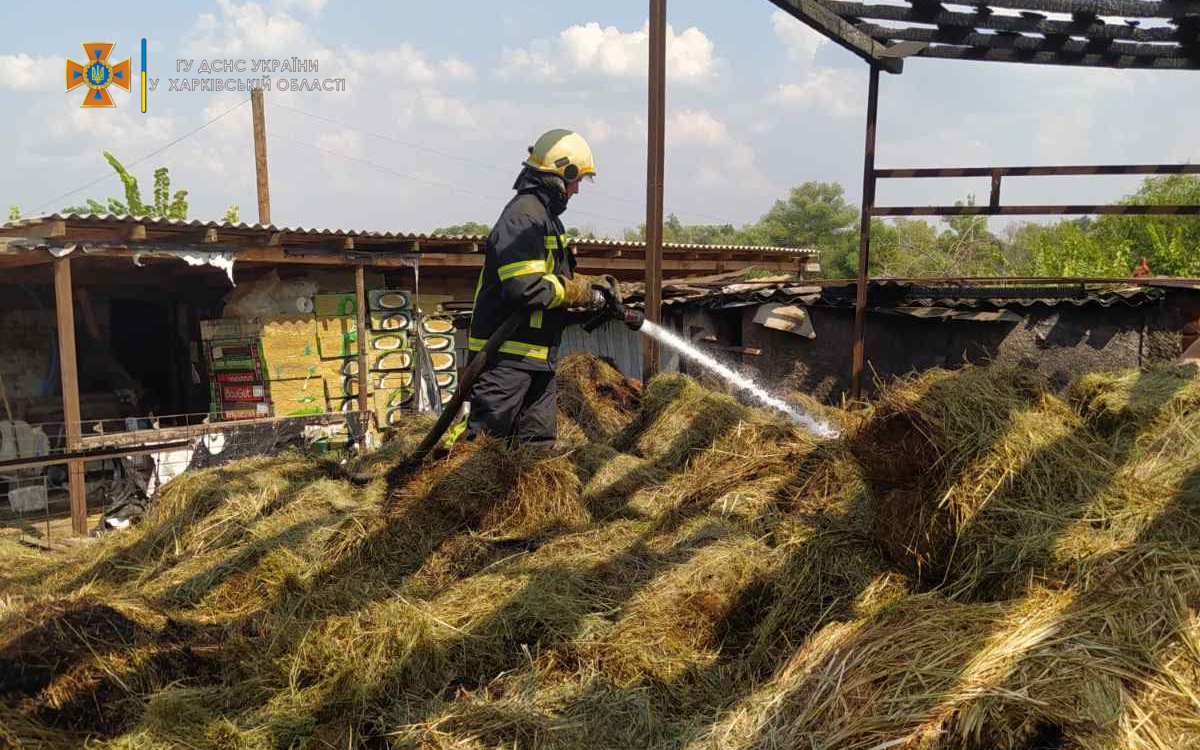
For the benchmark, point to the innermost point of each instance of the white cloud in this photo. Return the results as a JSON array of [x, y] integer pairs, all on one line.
[[458, 69], [111, 128], [233, 124], [25, 73], [447, 111], [801, 41], [343, 141], [242, 31], [609, 51], [311, 6], [346, 175], [832, 92], [534, 63], [403, 63], [597, 130], [695, 127]]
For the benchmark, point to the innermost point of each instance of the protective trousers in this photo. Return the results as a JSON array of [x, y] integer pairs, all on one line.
[[516, 404]]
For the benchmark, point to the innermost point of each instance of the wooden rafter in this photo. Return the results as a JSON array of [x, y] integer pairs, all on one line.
[[817, 15]]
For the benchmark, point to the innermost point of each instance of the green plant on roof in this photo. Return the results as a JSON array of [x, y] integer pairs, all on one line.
[[165, 205]]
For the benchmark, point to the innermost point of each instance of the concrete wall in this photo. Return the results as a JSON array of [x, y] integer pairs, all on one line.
[[1063, 342]]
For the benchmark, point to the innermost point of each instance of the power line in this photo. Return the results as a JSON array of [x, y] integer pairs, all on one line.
[[473, 162], [393, 139], [427, 181], [135, 162]]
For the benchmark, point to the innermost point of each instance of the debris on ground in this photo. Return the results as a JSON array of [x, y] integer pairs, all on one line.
[[977, 564]]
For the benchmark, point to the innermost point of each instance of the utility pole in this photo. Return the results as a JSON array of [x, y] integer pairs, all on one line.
[[655, 136], [260, 156]]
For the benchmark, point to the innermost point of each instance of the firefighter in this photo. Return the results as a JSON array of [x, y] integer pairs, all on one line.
[[530, 268]]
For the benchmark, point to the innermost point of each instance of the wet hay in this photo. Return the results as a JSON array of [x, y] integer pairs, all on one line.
[[596, 396], [978, 564]]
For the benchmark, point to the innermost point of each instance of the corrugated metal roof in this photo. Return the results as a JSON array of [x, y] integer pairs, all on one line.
[[13, 228], [733, 291]]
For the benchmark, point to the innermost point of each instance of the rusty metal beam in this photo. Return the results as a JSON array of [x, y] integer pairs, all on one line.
[[1129, 8], [858, 351], [655, 148], [1057, 210], [1048, 57], [1062, 171]]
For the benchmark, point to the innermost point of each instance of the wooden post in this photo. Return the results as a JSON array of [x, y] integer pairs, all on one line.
[[655, 135], [360, 307], [260, 156], [859, 350], [64, 308]]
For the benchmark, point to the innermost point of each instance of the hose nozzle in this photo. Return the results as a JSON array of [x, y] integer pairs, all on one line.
[[613, 309]]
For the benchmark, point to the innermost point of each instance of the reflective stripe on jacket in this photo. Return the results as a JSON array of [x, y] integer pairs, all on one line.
[[526, 263]]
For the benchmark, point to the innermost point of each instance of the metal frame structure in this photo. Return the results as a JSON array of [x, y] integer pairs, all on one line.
[[1156, 35]]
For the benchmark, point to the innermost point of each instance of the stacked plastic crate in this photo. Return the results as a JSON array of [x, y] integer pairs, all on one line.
[[337, 346], [297, 365], [389, 354], [237, 383], [439, 340]]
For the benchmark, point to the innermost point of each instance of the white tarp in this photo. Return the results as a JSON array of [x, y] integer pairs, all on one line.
[[217, 259]]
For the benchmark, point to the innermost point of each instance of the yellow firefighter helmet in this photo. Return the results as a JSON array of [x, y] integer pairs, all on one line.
[[564, 153]]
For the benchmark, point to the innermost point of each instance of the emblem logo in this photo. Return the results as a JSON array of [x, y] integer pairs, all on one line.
[[97, 74]]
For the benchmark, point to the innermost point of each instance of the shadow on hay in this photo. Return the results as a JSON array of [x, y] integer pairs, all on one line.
[[712, 422], [547, 611], [753, 634], [1011, 574], [84, 666], [1173, 529], [192, 590], [159, 535], [822, 580], [1000, 590]]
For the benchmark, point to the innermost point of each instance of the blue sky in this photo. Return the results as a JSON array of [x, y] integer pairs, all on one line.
[[442, 98]]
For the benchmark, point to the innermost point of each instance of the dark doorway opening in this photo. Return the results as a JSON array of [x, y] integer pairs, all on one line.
[[143, 345]]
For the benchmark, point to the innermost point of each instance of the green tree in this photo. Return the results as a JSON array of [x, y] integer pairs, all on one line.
[[966, 248], [165, 206], [582, 234], [470, 227], [905, 248], [14, 213], [1113, 245], [233, 215], [675, 230], [813, 215], [1071, 248], [1170, 244]]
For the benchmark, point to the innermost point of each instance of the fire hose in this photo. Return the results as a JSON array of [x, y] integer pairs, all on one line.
[[611, 309]]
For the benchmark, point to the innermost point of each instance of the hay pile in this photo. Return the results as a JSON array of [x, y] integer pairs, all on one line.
[[595, 396], [979, 564]]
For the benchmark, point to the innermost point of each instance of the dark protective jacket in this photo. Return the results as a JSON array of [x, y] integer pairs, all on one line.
[[527, 261]]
